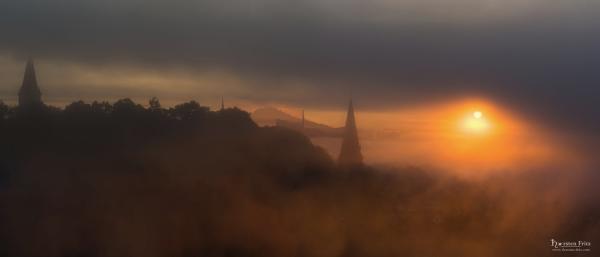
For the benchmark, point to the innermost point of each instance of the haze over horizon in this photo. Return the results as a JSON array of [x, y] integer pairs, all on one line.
[[451, 128], [410, 65]]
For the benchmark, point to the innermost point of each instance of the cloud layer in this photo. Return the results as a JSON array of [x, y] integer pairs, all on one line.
[[537, 57]]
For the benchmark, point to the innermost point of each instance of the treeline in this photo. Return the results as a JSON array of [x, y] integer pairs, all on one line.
[[122, 108], [116, 137]]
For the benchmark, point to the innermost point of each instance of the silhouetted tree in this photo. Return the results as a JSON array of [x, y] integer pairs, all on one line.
[[127, 108], [102, 108], [234, 119], [154, 104], [78, 108], [188, 111]]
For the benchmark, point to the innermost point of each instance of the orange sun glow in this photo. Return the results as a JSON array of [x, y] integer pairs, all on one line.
[[476, 123]]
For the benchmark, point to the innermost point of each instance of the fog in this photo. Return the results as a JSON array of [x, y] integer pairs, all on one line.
[[185, 181], [115, 177]]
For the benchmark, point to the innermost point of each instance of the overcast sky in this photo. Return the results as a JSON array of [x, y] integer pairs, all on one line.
[[539, 57]]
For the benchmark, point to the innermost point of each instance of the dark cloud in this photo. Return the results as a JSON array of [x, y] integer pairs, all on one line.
[[539, 58]]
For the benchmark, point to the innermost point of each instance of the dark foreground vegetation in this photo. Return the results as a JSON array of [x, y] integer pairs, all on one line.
[[123, 180]]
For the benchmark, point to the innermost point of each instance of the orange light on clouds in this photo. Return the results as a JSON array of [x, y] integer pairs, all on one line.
[[469, 136], [478, 134]]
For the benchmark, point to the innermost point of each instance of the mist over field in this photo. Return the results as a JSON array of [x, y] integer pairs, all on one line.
[[123, 180], [299, 128]]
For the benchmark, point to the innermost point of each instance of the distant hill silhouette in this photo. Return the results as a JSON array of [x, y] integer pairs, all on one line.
[[269, 116]]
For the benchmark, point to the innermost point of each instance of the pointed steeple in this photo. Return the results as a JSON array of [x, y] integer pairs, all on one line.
[[350, 154], [222, 104], [29, 93]]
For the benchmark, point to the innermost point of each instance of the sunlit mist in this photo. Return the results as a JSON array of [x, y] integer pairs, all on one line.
[[311, 128], [472, 136]]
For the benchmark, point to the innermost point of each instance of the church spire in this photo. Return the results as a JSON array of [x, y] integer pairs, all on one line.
[[30, 93], [350, 154]]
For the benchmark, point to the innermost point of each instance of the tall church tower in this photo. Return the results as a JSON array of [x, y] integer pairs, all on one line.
[[350, 154], [30, 94]]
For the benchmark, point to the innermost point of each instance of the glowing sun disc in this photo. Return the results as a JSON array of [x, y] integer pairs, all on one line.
[[475, 123]]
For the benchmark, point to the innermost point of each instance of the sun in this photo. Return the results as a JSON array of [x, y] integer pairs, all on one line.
[[475, 123]]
